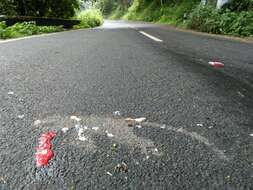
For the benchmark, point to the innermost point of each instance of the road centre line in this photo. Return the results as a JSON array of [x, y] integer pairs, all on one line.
[[150, 36]]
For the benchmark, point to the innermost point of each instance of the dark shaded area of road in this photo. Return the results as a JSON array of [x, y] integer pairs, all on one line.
[[199, 129]]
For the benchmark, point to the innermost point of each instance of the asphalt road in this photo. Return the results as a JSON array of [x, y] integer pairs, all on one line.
[[199, 128]]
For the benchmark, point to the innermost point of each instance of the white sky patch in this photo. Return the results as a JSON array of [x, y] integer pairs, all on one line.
[[150, 36]]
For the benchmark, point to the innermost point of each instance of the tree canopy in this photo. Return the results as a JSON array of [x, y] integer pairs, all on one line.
[[42, 8]]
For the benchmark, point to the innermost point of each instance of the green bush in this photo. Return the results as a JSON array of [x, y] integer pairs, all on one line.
[[207, 19], [117, 13], [170, 12], [90, 18], [41, 8], [25, 29], [235, 20], [240, 5], [174, 14]]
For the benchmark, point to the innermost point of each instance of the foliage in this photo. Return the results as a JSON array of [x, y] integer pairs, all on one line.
[[165, 12], [207, 19], [106, 6], [117, 13], [90, 18], [236, 19], [6, 8], [240, 5], [42, 8], [25, 29]]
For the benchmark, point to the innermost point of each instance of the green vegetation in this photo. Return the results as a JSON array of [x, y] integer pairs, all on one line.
[[207, 19], [41, 8], [25, 29], [89, 18], [234, 19], [45, 8], [117, 13]]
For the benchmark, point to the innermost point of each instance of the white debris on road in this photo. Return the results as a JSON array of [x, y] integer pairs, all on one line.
[[81, 136], [163, 127], [75, 118], [140, 120], [116, 113], [240, 94], [21, 116], [37, 122], [10, 93], [95, 128], [131, 122], [108, 173], [20, 100], [65, 129], [200, 125], [251, 135], [139, 126], [109, 134]]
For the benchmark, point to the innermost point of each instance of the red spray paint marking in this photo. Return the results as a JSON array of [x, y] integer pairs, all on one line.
[[43, 151], [216, 64]]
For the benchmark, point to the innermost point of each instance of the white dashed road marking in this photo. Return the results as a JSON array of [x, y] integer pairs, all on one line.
[[150, 36]]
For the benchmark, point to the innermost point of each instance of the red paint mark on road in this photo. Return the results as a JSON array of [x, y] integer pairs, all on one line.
[[216, 64], [43, 151]]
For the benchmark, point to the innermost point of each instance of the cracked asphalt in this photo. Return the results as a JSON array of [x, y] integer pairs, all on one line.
[[199, 128]]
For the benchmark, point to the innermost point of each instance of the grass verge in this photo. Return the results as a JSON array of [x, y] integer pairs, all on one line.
[[89, 19], [25, 29]]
